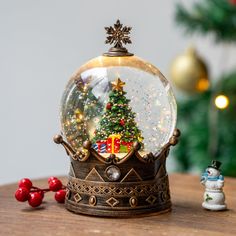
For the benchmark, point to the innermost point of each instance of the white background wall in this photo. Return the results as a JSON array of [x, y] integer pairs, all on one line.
[[41, 45]]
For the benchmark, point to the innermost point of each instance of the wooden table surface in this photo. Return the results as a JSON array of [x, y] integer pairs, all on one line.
[[186, 218]]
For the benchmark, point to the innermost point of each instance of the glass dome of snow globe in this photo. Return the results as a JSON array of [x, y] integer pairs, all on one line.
[[118, 117], [115, 101]]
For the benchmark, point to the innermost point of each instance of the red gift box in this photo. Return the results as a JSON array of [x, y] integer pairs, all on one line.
[[113, 143]]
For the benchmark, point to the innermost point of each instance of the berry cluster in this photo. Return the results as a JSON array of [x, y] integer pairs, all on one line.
[[35, 195]]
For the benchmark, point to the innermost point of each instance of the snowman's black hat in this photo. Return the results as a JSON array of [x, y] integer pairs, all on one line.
[[215, 164]]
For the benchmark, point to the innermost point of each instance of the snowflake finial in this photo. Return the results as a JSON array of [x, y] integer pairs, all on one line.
[[118, 34]]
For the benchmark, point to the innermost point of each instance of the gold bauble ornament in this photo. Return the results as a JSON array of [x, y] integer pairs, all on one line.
[[189, 72]]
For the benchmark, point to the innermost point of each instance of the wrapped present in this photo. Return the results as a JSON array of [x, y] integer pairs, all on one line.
[[95, 146], [123, 149], [113, 143], [100, 146], [103, 148], [109, 144], [125, 146]]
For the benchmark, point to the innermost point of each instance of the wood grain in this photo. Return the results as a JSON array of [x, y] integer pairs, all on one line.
[[187, 216]]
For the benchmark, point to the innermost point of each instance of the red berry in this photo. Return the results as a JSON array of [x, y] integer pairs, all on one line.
[[51, 178], [22, 194], [109, 106], [55, 185], [60, 196], [122, 122], [41, 193], [35, 199], [26, 183]]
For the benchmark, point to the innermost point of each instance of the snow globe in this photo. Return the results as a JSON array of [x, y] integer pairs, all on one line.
[[118, 116]]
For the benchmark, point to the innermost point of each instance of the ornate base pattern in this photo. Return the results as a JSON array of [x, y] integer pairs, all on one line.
[[118, 199]]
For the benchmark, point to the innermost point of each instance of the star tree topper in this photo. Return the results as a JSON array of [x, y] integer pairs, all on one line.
[[117, 84]]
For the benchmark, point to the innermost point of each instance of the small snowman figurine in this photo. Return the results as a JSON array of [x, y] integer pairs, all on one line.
[[214, 197]]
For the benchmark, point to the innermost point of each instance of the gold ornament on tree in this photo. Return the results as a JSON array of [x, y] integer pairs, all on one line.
[[189, 72]]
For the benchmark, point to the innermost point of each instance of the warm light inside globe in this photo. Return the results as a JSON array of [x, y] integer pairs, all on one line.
[[91, 110], [221, 101]]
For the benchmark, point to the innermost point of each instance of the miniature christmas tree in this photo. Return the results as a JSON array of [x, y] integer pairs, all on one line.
[[117, 129]]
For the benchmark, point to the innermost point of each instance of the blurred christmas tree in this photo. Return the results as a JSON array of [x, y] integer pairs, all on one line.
[[207, 118]]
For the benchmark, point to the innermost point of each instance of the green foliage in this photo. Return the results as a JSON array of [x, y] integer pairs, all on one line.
[[207, 132], [208, 198], [118, 119], [210, 16]]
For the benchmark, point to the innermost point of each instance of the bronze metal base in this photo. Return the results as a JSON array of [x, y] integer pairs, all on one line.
[[114, 187], [118, 199], [120, 214]]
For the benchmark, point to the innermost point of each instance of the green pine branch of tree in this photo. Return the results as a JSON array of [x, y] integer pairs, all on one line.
[[198, 146], [217, 17]]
